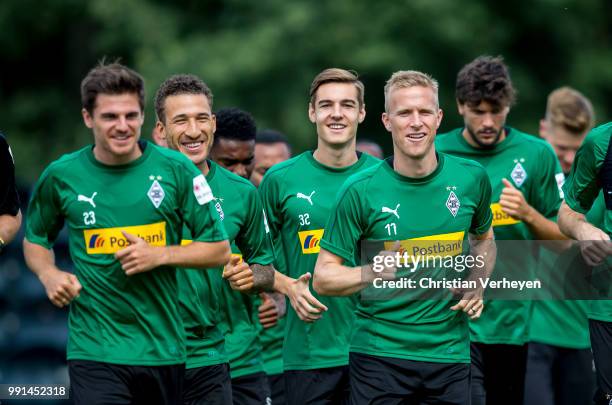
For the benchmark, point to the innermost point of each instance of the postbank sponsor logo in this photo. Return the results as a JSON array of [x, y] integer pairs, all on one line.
[[446, 244], [111, 240], [500, 218], [309, 240]]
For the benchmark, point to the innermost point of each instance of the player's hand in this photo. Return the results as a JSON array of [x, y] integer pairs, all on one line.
[[269, 311], [139, 256], [513, 202], [61, 287], [307, 307], [595, 245], [471, 303], [238, 274]]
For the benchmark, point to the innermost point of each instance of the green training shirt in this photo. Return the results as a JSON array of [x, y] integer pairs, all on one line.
[[380, 204], [298, 195], [246, 227], [531, 165], [226, 317], [557, 322], [592, 172], [118, 319]]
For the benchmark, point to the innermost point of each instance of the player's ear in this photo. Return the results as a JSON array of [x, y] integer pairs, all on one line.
[[87, 118], [543, 129], [386, 122], [460, 107], [311, 113], [440, 116], [159, 134], [362, 113]]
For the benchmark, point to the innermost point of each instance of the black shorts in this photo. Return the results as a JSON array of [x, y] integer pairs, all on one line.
[[601, 344], [97, 383], [498, 374], [387, 380], [252, 389], [208, 385], [320, 386], [277, 386], [558, 375]]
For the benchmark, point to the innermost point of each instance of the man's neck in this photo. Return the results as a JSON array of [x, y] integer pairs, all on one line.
[[336, 157], [204, 167], [415, 168]]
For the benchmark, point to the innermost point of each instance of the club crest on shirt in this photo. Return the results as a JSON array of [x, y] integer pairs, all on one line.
[[156, 193], [518, 175], [452, 202]]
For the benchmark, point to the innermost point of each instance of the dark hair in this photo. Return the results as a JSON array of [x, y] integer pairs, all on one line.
[[176, 85], [112, 78], [235, 124], [335, 75], [486, 78], [271, 136]]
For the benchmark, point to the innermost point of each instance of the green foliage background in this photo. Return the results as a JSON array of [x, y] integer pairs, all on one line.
[[262, 55]]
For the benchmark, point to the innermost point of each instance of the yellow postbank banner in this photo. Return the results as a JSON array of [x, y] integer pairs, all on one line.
[[111, 240], [500, 218], [441, 245], [309, 240]]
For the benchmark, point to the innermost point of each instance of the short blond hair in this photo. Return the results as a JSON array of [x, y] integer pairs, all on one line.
[[569, 109], [409, 78], [335, 75]]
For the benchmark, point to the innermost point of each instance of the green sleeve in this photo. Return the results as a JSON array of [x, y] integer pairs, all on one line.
[[269, 190], [546, 195], [280, 263], [44, 216], [345, 224], [581, 187], [199, 214], [597, 213], [254, 240], [483, 217]]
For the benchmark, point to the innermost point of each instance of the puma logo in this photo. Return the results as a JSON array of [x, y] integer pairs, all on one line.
[[390, 211], [88, 199], [306, 197]]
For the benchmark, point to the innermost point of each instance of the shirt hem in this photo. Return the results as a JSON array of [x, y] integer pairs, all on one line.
[[289, 367], [429, 359], [129, 362], [242, 373]]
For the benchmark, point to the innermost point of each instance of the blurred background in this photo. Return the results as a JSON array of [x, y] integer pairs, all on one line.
[[260, 56]]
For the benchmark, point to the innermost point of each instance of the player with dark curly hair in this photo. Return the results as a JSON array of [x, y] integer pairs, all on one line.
[[526, 179]]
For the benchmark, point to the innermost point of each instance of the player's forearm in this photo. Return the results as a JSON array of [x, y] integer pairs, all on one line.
[[337, 279], [39, 259], [483, 247], [572, 223], [263, 278], [199, 255], [9, 226], [543, 228], [484, 250]]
